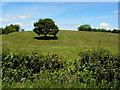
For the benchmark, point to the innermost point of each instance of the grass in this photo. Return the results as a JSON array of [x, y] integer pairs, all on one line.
[[96, 68], [68, 43]]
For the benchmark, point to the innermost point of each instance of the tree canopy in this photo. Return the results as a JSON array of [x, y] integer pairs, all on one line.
[[10, 28], [45, 26], [85, 27]]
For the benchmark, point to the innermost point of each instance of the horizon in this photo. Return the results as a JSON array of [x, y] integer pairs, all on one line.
[[67, 15]]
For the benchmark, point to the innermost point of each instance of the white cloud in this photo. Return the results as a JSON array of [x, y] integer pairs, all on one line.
[[116, 11], [7, 19], [23, 16], [59, 26], [7, 15], [106, 26], [22, 24], [69, 26], [33, 21]]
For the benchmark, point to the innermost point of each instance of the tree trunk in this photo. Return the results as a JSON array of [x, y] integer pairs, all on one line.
[[54, 35], [45, 36]]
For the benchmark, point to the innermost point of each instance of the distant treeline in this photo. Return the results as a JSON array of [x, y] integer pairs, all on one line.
[[11, 28], [87, 27], [15, 28]]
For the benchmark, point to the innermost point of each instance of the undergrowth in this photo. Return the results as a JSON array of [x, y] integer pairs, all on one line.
[[95, 68]]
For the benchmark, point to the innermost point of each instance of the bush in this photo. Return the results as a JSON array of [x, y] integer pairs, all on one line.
[[101, 65], [96, 68], [19, 67]]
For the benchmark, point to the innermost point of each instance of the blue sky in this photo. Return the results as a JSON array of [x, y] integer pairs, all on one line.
[[67, 15]]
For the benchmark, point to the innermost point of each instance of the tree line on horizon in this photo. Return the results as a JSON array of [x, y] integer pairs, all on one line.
[[48, 27], [11, 28], [87, 27]]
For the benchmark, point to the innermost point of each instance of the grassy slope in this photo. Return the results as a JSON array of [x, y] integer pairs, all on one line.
[[68, 44]]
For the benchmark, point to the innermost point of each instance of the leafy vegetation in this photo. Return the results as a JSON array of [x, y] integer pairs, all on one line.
[[45, 26], [115, 31], [11, 28], [87, 27], [76, 63], [98, 68]]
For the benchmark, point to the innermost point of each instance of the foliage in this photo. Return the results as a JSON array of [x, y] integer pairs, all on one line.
[[19, 67], [85, 27], [115, 31], [96, 68], [45, 26], [99, 30], [1, 30], [101, 65], [11, 28]]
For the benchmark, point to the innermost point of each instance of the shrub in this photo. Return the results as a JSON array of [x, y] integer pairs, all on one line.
[[19, 67], [101, 65], [96, 68]]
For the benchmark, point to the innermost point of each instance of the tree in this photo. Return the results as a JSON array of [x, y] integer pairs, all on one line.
[[22, 29], [11, 28], [1, 30], [108, 31], [115, 31], [16, 27], [85, 27], [45, 26], [94, 29]]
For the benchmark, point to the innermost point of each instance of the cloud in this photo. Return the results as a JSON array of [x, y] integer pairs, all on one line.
[[7, 19], [116, 11], [24, 16], [68, 26], [106, 26], [59, 26], [22, 24], [7, 15], [32, 21]]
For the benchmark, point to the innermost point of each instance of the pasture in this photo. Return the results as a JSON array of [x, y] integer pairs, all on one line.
[[68, 44]]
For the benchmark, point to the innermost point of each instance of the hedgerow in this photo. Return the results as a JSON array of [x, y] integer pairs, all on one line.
[[95, 68]]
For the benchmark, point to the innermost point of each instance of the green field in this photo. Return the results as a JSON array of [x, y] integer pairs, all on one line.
[[80, 67], [68, 43]]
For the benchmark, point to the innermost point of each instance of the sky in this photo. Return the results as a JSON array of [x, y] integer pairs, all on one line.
[[60, 0], [67, 15]]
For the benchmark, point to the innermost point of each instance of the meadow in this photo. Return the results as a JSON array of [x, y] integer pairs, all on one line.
[[77, 59], [68, 44]]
